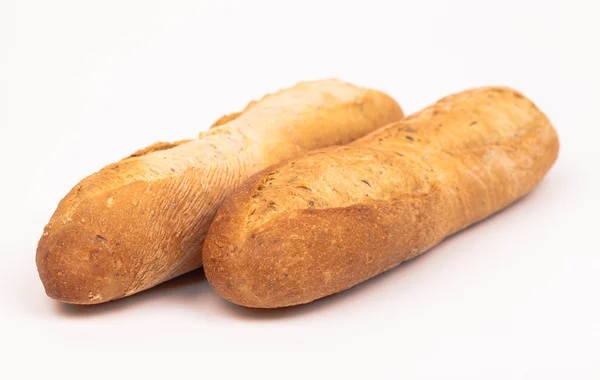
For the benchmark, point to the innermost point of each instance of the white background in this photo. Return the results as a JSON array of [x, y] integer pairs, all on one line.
[[85, 83]]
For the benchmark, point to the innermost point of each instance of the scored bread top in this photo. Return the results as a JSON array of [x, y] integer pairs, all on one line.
[[397, 159]]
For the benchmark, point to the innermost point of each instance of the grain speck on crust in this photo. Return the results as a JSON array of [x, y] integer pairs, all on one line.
[[94, 297]]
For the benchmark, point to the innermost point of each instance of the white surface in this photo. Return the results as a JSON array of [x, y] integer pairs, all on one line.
[[84, 83]]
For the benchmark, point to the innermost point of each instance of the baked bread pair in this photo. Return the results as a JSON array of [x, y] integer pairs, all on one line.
[[317, 222]]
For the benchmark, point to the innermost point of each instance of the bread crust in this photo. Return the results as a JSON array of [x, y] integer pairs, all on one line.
[[142, 220], [324, 222]]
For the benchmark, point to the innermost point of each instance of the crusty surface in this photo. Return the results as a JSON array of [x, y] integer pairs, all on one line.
[[326, 221], [142, 220]]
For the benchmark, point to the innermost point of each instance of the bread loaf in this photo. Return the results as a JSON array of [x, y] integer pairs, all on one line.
[[324, 222], [142, 220]]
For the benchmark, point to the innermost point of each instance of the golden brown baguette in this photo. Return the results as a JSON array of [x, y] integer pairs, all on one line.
[[326, 221], [142, 220]]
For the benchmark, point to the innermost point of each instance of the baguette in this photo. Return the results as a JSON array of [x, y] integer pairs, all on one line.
[[142, 220], [324, 222]]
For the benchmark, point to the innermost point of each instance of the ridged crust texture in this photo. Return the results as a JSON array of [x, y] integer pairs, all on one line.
[[142, 220], [326, 221]]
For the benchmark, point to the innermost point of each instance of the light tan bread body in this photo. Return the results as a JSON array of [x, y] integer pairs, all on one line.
[[326, 221], [142, 220]]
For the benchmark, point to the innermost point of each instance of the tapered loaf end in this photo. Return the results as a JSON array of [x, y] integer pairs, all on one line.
[[72, 268]]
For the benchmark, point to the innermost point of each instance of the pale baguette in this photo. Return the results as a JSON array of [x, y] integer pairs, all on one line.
[[142, 220], [324, 222]]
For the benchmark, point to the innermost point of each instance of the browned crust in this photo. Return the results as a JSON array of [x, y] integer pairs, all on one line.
[[142, 220], [232, 116], [158, 146], [411, 184]]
